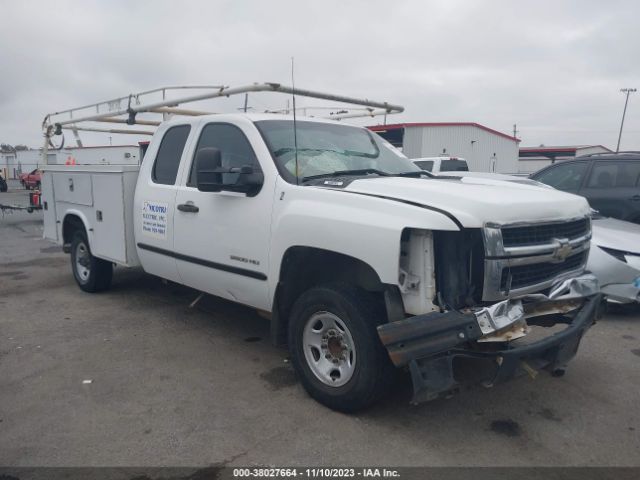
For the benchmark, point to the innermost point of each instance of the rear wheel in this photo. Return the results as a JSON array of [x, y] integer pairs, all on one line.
[[92, 274], [335, 347]]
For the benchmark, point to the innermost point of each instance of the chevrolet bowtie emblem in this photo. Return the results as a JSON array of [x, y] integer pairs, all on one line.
[[563, 250]]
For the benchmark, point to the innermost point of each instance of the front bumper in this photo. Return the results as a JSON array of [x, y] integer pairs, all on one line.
[[433, 344]]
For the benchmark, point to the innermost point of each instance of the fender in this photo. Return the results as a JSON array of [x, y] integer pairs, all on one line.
[[77, 213], [367, 228]]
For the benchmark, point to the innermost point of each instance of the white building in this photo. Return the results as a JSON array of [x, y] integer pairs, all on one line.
[[533, 159], [12, 164], [485, 149]]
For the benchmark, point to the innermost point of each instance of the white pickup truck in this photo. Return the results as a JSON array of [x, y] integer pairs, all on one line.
[[364, 261]]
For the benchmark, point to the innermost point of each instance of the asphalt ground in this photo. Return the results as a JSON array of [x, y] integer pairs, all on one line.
[[134, 376]]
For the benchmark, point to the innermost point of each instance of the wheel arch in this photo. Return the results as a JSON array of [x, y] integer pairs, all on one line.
[[303, 267], [72, 222]]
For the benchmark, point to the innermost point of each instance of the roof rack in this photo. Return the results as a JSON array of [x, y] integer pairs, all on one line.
[[612, 154], [124, 110]]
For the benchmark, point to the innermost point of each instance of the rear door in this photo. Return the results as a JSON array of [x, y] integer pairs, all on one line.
[[613, 188], [154, 204]]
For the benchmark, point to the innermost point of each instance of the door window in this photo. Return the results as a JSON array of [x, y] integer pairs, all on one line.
[[566, 176], [165, 168], [234, 147], [614, 174]]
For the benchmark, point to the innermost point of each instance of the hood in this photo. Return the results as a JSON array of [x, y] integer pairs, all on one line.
[[475, 201], [616, 234], [493, 177]]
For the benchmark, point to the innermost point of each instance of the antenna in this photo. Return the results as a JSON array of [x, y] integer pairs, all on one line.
[[295, 127]]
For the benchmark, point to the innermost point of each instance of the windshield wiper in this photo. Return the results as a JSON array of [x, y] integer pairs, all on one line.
[[414, 174], [347, 153], [368, 171], [340, 173]]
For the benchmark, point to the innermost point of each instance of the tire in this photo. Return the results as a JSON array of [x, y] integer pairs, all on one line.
[[92, 274], [335, 347]]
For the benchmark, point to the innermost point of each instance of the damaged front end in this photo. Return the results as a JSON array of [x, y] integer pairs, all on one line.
[[494, 289], [429, 344]]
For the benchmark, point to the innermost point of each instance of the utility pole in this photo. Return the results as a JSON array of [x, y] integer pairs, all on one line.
[[626, 91], [515, 132]]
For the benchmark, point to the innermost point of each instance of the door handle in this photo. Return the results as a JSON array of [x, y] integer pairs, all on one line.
[[188, 207], [635, 198]]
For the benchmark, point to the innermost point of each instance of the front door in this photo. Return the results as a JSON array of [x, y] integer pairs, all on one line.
[[222, 238]]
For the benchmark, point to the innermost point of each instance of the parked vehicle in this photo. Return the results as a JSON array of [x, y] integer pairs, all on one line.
[[615, 258], [364, 262], [609, 181], [31, 180], [441, 164], [3, 184]]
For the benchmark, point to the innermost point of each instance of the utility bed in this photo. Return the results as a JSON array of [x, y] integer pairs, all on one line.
[[101, 195]]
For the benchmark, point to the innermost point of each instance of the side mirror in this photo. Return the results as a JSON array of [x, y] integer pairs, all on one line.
[[211, 176]]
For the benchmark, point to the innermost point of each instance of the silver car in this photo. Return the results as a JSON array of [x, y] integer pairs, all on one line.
[[615, 258]]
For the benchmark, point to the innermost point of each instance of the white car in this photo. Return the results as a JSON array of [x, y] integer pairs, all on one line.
[[615, 258]]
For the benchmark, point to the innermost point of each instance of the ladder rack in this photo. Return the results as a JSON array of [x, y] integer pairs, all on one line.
[[124, 110]]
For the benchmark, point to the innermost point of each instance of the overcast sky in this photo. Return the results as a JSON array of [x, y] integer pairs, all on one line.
[[554, 68]]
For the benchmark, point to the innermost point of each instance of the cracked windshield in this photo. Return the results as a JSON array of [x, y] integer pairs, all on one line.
[[324, 149]]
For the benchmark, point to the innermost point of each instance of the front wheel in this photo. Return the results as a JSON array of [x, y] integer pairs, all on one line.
[[335, 347], [92, 274]]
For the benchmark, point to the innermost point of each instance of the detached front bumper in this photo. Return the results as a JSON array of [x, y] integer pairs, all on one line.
[[436, 345]]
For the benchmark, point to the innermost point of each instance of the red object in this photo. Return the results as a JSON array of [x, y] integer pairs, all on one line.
[[31, 180], [34, 199]]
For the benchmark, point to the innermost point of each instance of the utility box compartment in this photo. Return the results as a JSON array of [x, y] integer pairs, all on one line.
[[102, 197]]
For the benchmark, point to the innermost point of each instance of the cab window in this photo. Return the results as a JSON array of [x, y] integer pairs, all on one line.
[[426, 165], [234, 147], [165, 167]]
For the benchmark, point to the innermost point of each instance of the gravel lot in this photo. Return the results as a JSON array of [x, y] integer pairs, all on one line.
[[135, 377]]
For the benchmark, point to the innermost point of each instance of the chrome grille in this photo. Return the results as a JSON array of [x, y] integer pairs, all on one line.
[[533, 274], [521, 259], [541, 234]]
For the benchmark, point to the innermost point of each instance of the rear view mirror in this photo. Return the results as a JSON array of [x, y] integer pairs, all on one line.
[[211, 176]]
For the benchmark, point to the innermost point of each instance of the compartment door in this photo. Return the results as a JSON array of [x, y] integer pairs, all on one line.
[[108, 239], [49, 207]]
